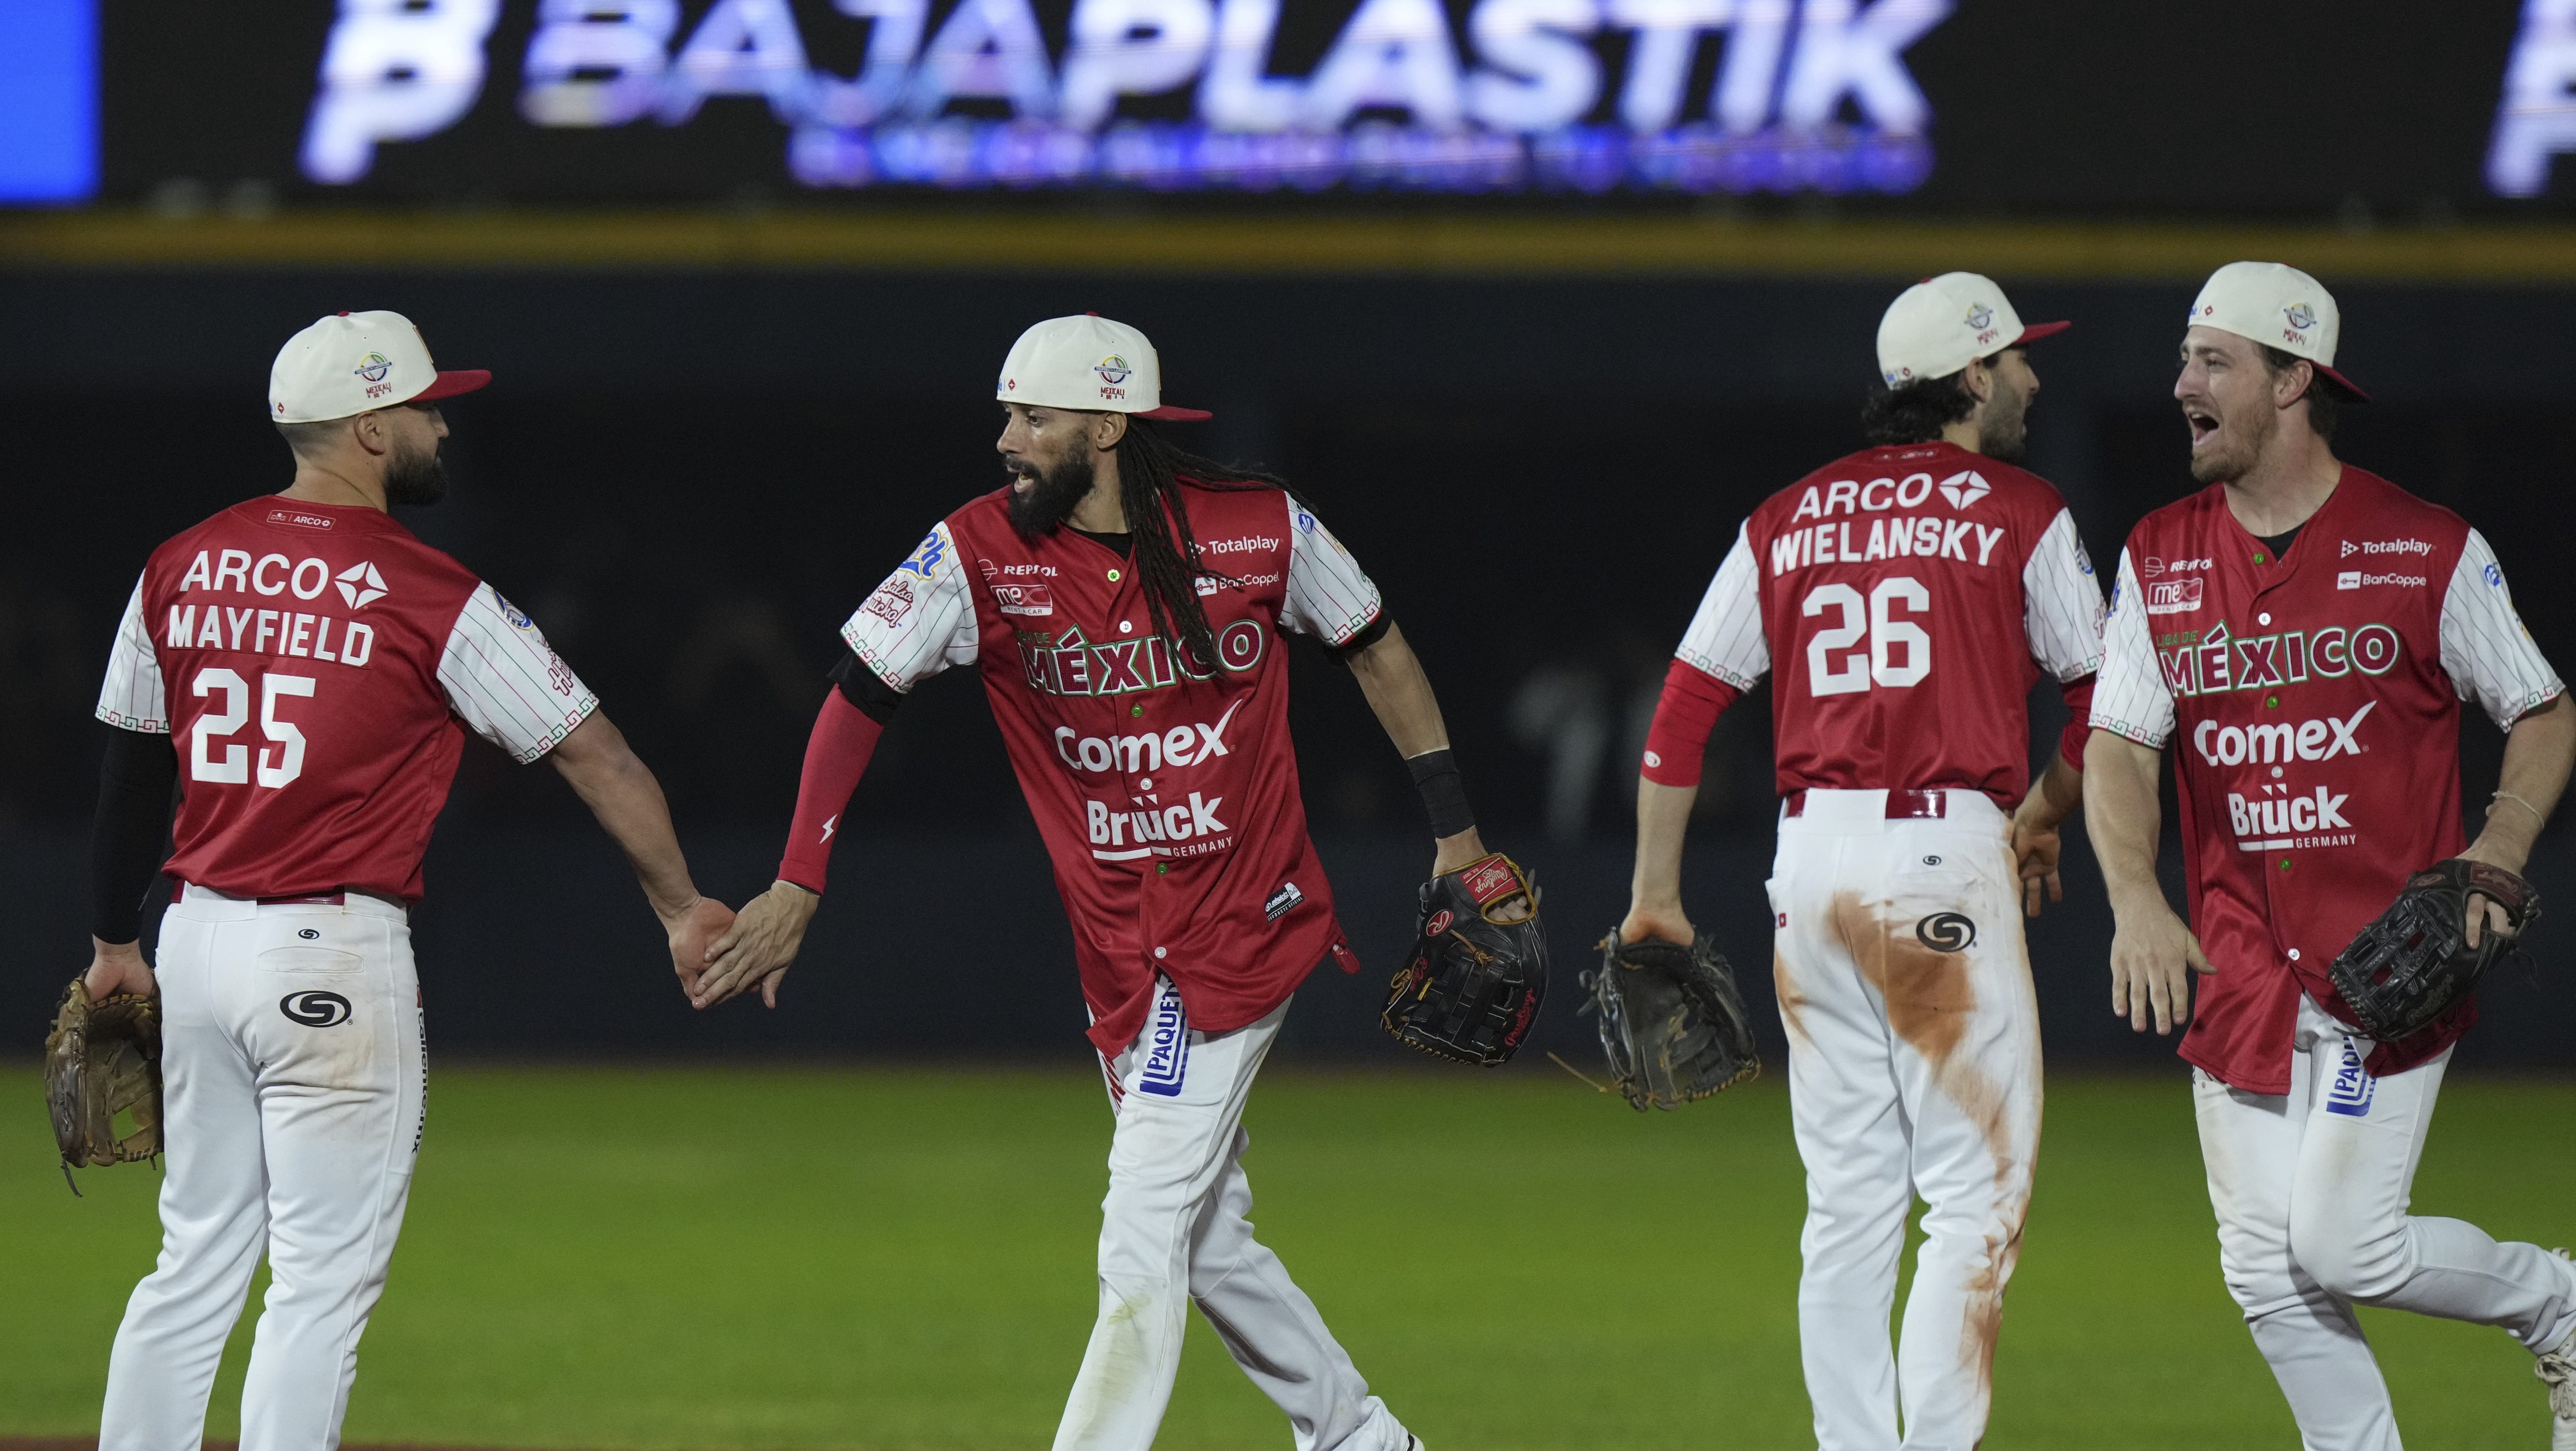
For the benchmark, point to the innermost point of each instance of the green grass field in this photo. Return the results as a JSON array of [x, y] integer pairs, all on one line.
[[703, 1258]]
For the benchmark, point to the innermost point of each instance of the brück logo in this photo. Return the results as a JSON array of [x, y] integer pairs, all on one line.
[[1167, 1045]]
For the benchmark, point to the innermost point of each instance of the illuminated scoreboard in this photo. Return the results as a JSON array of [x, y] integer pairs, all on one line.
[[2390, 106]]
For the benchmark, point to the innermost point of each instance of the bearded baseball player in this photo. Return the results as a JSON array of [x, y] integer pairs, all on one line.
[[1126, 602], [305, 671], [2304, 633], [1905, 600]]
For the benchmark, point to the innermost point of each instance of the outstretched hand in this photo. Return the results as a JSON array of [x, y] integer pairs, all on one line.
[[691, 933], [757, 949]]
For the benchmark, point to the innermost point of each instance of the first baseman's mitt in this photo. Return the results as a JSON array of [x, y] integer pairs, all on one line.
[[1471, 987], [104, 1058], [1672, 1023], [2414, 963]]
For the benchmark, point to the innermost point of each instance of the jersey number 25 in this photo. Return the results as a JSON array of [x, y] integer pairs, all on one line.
[[1899, 652], [214, 725]]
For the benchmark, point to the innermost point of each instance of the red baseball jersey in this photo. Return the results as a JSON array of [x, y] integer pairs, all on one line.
[[1165, 786], [318, 667], [1907, 598], [2317, 697]]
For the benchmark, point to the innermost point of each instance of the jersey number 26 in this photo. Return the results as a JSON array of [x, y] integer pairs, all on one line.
[[1899, 652]]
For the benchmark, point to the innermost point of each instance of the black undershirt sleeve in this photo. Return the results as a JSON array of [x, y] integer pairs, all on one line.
[[134, 786], [1369, 634], [864, 688]]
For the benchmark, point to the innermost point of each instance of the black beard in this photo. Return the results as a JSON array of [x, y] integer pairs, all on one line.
[[415, 478], [1052, 496], [2006, 439]]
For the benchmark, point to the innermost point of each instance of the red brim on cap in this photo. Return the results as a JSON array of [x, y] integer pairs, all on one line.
[[2033, 332], [2349, 386], [448, 385], [1169, 414]]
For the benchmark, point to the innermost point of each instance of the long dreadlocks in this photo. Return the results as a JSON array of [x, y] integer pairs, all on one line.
[[1152, 472]]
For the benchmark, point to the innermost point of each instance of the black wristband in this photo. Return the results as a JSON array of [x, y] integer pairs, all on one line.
[[1444, 795]]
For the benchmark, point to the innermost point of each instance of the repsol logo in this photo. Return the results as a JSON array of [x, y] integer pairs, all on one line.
[[2322, 739], [1070, 665], [1182, 745], [2222, 662]]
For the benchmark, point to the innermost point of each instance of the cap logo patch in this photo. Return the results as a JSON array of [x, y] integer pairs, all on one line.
[[2302, 317], [1113, 369], [374, 366], [1980, 316]]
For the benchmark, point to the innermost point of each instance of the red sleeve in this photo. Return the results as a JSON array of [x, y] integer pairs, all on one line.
[[836, 756], [1692, 701], [2079, 720]]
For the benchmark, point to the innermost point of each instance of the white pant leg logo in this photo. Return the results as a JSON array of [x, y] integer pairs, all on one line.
[[1167, 1045], [2353, 1086], [315, 1009]]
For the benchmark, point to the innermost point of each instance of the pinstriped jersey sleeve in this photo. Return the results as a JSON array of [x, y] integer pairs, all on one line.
[[131, 697], [2062, 603], [2131, 698], [920, 621], [506, 683], [1725, 638], [2486, 651], [1328, 595]]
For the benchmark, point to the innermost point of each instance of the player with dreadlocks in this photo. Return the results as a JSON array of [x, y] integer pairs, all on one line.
[[1125, 599]]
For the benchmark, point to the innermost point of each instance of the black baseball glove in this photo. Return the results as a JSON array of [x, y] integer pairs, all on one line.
[[1472, 985], [1672, 1023], [2414, 963], [103, 1058]]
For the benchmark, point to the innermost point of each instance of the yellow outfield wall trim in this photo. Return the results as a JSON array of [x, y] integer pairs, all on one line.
[[1449, 245]]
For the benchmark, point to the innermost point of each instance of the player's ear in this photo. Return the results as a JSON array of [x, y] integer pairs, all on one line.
[[372, 432], [1978, 379], [2293, 382], [1107, 429]]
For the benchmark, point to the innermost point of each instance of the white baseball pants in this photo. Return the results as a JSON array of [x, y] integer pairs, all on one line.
[[1913, 1069], [1174, 1232], [2311, 1191], [294, 1078]]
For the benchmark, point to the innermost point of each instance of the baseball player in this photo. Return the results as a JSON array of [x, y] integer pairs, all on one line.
[[1905, 600], [1126, 602], [2304, 632], [305, 671]]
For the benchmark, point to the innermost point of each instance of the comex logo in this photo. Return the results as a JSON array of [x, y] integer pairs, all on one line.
[[2322, 739], [1965, 489], [361, 585], [315, 1009]]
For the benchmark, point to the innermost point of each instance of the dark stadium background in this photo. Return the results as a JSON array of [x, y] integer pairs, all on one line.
[[705, 444]]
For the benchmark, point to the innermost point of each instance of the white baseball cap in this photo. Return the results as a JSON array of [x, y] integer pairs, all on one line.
[[352, 362], [2278, 306], [1088, 362], [1941, 324]]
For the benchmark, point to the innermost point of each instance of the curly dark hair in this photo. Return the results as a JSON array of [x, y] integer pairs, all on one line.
[[1152, 471], [2326, 397], [1917, 412]]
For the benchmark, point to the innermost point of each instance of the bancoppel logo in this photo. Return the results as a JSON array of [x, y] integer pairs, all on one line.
[[2353, 1087], [2322, 739], [1964, 489], [361, 585], [2174, 596], [1023, 599], [2357, 579], [1167, 1045]]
